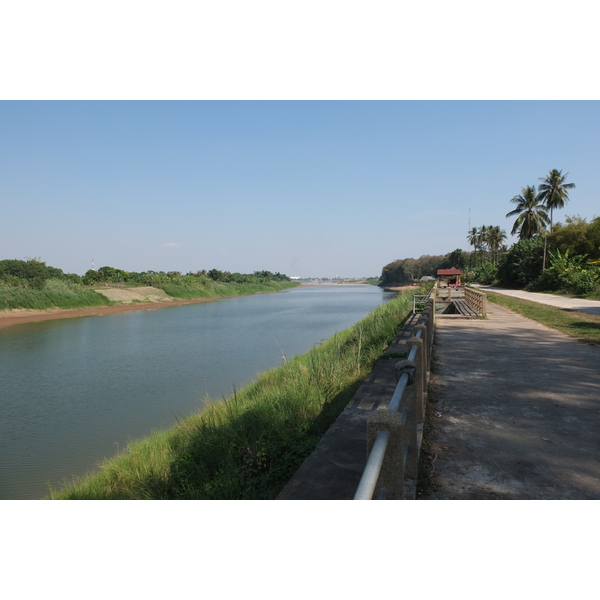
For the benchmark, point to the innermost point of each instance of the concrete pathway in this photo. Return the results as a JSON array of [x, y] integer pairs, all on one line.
[[589, 306], [517, 412]]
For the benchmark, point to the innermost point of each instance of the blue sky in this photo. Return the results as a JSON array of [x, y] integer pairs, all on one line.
[[307, 188]]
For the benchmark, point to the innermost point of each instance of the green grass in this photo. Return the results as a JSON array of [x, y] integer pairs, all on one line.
[[576, 324], [249, 445], [55, 293]]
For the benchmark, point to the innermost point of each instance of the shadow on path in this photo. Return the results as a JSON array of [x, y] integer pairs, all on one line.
[[518, 411]]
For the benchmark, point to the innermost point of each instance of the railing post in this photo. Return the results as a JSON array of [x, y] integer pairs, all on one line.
[[391, 476], [425, 338], [420, 376], [427, 320], [411, 419]]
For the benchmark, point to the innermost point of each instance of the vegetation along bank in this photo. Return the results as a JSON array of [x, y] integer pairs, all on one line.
[[249, 445], [31, 285]]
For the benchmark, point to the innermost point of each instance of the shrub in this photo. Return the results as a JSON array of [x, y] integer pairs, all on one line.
[[582, 281], [522, 264]]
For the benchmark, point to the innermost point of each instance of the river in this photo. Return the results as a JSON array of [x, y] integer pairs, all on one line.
[[75, 391]]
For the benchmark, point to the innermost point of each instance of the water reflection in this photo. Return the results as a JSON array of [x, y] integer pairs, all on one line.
[[74, 391]]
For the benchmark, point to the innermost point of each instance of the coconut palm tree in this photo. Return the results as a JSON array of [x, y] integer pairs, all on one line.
[[473, 239], [495, 238], [483, 239], [533, 218], [554, 192]]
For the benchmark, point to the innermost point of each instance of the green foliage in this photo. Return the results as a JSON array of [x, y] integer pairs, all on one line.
[[521, 264], [580, 282], [175, 278], [484, 273], [578, 236], [31, 273], [405, 271], [567, 273], [54, 293], [393, 274], [457, 258], [20, 279]]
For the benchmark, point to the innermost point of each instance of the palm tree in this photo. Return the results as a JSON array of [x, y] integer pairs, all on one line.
[[473, 239], [483, 234], [554, 192], [533, 218], [495, 237]]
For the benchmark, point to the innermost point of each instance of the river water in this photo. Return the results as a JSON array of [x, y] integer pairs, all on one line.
[[75, 391]]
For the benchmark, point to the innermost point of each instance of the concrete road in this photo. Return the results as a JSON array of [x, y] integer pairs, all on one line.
[[518, 411], [589, 306]]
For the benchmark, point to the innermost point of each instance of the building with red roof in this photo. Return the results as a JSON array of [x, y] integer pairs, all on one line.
[[451, 277]]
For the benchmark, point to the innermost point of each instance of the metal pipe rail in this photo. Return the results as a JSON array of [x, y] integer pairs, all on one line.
[[421, 302], [368, 481], [400, 416]]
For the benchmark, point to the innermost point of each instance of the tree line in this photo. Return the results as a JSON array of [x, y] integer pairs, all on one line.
[[548, 256], [33, 273]]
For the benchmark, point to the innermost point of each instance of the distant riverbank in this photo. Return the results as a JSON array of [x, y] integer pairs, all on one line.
[[20, 316]]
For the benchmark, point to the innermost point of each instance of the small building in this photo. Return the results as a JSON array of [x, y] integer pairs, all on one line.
[[450, 277]]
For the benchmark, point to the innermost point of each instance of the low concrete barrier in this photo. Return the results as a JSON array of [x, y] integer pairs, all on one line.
[[394, 434]]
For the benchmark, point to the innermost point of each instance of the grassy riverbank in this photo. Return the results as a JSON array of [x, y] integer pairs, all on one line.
[[249, 445], [582, 326], [53, 293]]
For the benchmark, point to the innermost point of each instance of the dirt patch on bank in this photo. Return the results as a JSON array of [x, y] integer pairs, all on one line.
[[137, 294]]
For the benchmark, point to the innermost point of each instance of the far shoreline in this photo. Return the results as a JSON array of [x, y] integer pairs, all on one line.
[[20, 316]]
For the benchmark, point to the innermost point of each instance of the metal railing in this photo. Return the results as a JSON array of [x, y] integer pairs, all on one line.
[[419, 301], [393, 434]]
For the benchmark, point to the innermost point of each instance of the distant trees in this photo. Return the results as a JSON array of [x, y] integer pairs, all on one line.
[[486, 241], [405, 271], [32, 273], [113, 275]]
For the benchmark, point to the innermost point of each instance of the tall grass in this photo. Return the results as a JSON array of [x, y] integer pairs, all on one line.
[[249, 445], [55, 293]]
